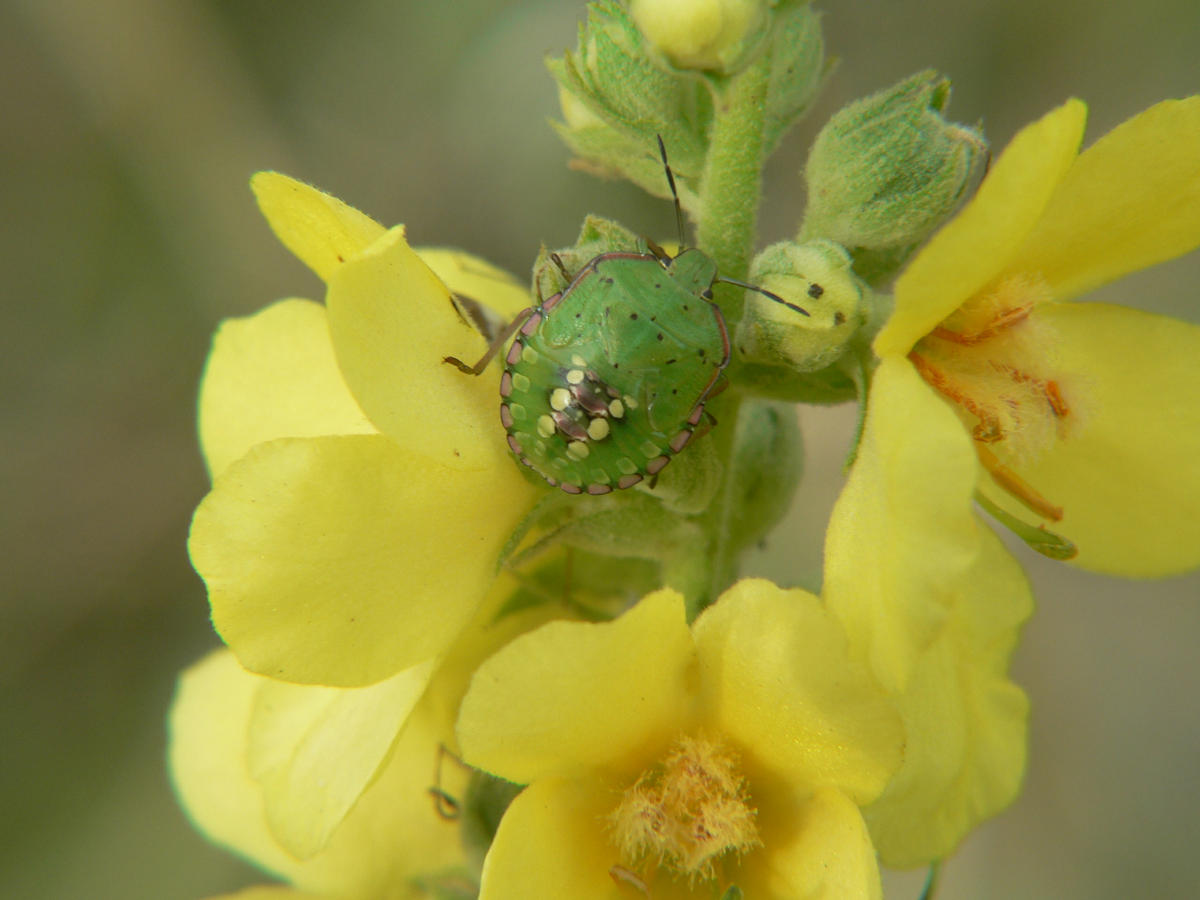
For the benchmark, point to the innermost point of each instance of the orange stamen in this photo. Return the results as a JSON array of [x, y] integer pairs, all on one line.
[[988, 429], [1048, 389], [1004, 320]]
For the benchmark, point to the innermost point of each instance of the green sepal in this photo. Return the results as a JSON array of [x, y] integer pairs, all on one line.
[[889, 169]]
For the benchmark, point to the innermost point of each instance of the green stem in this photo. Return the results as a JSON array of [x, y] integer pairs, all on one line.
[[931, 881], [729, 199], [732, 182]]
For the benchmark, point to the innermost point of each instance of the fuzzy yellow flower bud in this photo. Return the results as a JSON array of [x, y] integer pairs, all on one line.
[[701, 34], [815, 276]]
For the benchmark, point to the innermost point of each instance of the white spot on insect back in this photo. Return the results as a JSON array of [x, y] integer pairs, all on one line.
[[560, 399]]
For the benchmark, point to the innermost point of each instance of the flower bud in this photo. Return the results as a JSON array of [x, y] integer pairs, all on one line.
[[815, 276], [887, 170], [617, 98], [598, 235], [702, 34]]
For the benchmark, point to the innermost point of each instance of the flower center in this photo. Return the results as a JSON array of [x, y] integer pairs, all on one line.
[[993, 358], [687, 810]]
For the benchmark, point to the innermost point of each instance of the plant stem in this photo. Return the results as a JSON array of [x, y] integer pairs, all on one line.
[[732, 182]]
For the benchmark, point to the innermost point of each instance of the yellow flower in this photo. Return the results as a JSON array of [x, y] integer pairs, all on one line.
[[677, 761], [936, 628], [1083, 415], [231, 729], [329, 788], [362, 490]]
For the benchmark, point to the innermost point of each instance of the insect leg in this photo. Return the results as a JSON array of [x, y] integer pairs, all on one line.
[[495, 347]]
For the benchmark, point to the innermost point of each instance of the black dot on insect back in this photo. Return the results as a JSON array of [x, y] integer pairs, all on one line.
[[815, 290], [839, 318], [660, 336], [633, 315]]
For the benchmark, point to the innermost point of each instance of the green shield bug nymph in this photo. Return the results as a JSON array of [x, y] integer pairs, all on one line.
[[605, 381]]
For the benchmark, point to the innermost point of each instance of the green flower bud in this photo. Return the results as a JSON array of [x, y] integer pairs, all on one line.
[[598, 235], [617, 98], [798, 68], [717, 35], [815, 276], [887, 170]]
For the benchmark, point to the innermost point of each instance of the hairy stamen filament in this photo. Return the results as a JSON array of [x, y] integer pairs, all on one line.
[[1003, 320], [988, 430], [1014, 484]]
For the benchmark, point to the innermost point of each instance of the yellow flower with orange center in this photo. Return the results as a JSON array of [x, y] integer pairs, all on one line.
[[1084, 417], [675, 762]]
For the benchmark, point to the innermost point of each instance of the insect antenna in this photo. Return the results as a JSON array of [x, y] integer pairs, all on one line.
[[764, 292], [662, 149]]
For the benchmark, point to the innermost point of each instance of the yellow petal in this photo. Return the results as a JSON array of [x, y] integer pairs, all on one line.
[[967, 724], [1129, 480], [392, 322], [778, 680], [552, 843], [1129, 201], [391, 835], [470, 276], [314, 750], [207, 759], [321, 230], [487, 632], [272, 375], [825, 855], [977, 244], [572, 696], [902, 535], [342, 560]]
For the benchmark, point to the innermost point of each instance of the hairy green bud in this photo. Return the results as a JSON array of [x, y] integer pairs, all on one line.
[[617, 98], [887, 170]]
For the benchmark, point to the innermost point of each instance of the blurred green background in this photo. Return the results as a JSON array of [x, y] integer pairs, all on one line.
[[129, 130]]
